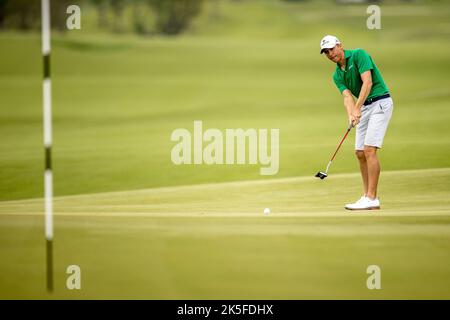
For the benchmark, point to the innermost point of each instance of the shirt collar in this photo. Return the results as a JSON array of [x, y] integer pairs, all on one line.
[[347, 53]]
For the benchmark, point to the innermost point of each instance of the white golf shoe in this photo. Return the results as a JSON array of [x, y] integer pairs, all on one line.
[[364, 203]]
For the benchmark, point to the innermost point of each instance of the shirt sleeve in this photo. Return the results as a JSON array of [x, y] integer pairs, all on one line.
[[339, 83], [363, 61]]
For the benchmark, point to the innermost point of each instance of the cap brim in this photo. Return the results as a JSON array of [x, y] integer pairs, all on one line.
[[321, 50]]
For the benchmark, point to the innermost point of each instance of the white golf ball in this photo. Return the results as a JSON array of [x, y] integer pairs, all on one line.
[[266, 211]]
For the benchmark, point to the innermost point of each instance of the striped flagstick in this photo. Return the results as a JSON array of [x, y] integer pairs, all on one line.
[[48, 177]]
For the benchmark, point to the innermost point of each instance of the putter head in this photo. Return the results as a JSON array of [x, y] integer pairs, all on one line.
[[321, 175]]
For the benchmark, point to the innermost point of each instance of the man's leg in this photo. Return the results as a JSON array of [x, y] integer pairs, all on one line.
[[373, 170], [363, 168]]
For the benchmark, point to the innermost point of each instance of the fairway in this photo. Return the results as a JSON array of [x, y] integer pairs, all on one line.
[[117, 100], [141, 226], [214, 242]]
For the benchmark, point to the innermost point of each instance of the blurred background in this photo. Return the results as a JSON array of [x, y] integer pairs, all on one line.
[[139, 69]]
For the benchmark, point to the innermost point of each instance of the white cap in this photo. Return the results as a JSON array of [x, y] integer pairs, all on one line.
[[328, 42]]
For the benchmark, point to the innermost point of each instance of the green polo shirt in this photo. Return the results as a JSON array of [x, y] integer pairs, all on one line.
[[358, 61]]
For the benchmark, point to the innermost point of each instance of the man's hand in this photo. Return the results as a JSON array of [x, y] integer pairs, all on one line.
[[355, 117], [354, 109], [350, 120]]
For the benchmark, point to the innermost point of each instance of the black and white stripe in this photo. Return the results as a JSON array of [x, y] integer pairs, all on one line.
[[48, 176]]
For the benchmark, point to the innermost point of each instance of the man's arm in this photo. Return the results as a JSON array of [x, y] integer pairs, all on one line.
[[349, 104], [366, 78]]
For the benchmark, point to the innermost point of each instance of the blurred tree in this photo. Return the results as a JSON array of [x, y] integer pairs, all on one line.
[[26, 14], [214, 9], [357, 1], [59, 13], [118, 7], [140, 17], [174, 16], [102, 8], [2, 12], [21, 14]]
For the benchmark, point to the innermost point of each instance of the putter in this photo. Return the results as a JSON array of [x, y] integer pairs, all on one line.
[[322, 175]]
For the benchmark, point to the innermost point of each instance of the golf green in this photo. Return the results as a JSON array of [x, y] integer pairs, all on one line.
[[140, 226]]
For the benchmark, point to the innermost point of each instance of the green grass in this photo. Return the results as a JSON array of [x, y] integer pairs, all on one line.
[[214, 242], [198, 231], [118, 99]]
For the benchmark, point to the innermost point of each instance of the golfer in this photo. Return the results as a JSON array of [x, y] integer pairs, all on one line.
[[357, 75]]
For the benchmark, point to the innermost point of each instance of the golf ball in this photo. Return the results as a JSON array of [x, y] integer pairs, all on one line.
[[266, 211]]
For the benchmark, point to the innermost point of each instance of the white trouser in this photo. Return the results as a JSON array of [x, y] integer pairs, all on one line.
[[373, 124]]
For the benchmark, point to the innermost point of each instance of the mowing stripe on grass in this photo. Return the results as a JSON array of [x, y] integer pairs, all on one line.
[[403, 193]]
